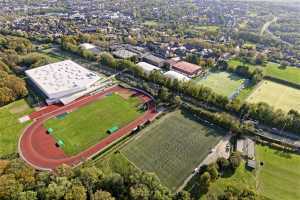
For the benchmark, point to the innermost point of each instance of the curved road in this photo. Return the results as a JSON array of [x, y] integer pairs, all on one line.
[[38, 148]]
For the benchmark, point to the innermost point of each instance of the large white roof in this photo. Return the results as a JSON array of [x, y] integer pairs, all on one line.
[[62, 78], [176, 75], [147, 67]]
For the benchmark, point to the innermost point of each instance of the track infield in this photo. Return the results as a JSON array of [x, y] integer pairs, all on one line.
[[221, 82], [172, 147], [86, 126], [276, 95]]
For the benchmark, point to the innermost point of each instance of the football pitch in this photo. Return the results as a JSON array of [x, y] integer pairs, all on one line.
[[276, 95], [221, 82], [172, 147], [86, 126]]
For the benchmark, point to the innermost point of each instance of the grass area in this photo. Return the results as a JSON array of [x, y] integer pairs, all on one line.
[[276, 95], [245, 93], [10, 127], [115, 162], [221, 82], [206, 28], [86, 126], [241, 179], [291, 74], [151, 23], [278, 178], [172, 147]]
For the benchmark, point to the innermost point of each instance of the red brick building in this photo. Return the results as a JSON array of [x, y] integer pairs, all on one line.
[[189, 69]]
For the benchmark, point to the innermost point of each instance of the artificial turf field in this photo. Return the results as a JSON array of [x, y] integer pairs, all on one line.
[[221, 82], [278, 178], [172, 147], [276, 95], [10, 127], [86, 126]]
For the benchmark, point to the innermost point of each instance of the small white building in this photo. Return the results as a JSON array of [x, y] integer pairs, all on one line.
[[90, 47], [147, 68], [62, 79], [175, 75]]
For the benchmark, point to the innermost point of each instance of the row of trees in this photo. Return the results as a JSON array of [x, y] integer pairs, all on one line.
[[262, 112], [18, 181]]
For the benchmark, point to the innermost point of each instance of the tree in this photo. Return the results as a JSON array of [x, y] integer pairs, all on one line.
[[212, 170], [163, 94], [9, 187], [177, 100], [182, 195], [223, 163], [102, 195], [139, 192], [108, 60], [76, 193], [235, 160], [28, 195], [57, 189], [204, 182]]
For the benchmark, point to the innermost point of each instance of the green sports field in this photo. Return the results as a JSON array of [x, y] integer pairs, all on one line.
[[10, 127], [276, 95], [221, 82], [291, 74], [172, 147], [278, 178], [86, 126]]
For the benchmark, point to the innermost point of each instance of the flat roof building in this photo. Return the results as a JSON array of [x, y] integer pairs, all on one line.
[[147, 68], [154, 60], [175, 75], [124, 54], [186, 68], [62, 79]]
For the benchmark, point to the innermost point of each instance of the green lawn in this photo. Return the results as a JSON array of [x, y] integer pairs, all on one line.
[[151, 23], [86, 126], [172, 147], [291, 74], [278, 178], [276, 95], [221, 82], [206, 28], [10, 127], [241, 179], [115, 162]]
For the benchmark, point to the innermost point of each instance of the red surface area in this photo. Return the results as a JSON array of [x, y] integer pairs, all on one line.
[[39, 149]]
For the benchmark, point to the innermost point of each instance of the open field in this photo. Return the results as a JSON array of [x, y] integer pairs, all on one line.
[[221, 82], [10, 127], [86, 126], [278, 177], [276, 95], [291, 74], [115, 162], [241, 179], [172, 147]]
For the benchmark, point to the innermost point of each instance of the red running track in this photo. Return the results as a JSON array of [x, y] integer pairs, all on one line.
[[39, 149]]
